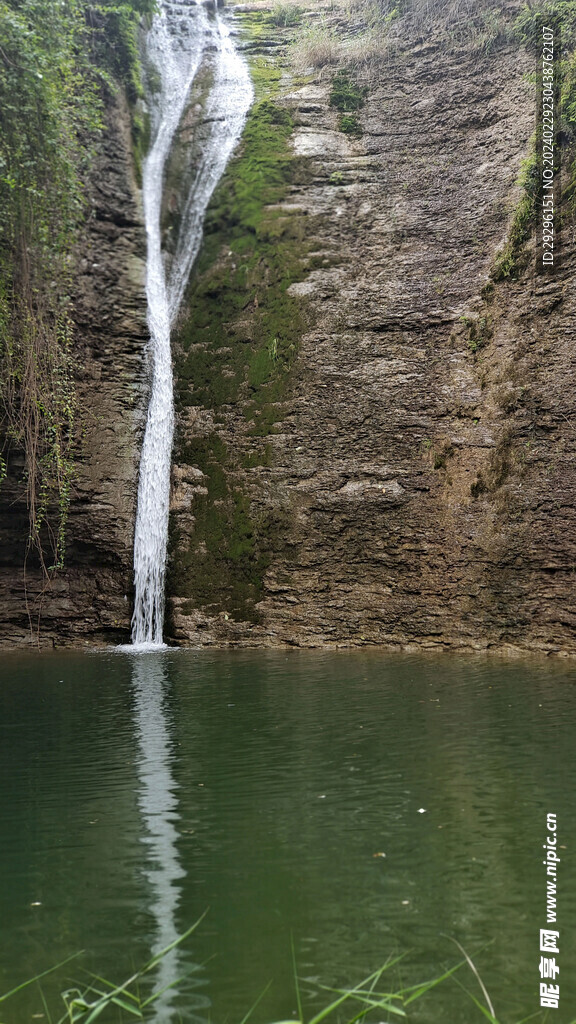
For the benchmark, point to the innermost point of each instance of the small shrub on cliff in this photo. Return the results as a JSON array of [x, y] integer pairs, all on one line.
[[347, 96], [350, 125], [531, 18]]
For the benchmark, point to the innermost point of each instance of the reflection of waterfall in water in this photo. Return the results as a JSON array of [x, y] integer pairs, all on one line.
[[159, 809], [181, 41]]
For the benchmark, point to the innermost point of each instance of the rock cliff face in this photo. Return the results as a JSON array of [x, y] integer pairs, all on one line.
[[89, 601], [376, 441], [375, 435]]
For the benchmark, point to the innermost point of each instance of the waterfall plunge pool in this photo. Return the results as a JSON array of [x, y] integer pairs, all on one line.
[[364, 803]]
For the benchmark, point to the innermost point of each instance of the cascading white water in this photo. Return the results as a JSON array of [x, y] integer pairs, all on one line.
[[182, 35]]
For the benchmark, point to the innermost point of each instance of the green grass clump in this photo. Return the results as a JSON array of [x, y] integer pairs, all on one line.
[[85, 1003], [346, 94], [316, 46], [286, 15]]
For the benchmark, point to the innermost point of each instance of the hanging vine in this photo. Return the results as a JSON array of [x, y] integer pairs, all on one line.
[[56, 61]]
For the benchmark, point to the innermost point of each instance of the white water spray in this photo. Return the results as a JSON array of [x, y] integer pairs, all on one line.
[[181, 36]]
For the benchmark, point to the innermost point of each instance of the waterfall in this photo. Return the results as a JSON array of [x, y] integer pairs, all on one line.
[[181, 39]]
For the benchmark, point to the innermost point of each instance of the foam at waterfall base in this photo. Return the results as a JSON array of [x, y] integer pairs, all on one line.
[[149, 647]]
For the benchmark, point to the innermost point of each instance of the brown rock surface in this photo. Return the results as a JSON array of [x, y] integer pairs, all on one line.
[[424, 490]]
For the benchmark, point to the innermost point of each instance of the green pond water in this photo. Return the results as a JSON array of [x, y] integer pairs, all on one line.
[[357, 804]]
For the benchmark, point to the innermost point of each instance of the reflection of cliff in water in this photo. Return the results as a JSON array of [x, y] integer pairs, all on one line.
[[158, 805]]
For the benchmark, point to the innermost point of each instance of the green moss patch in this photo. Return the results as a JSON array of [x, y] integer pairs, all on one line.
[[234, 356], [242, 329], [222, 566]]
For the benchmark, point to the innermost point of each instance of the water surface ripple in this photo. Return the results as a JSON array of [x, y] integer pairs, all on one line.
[[362, 803]]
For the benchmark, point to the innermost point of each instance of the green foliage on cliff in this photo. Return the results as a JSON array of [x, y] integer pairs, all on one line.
[[55, 60], [534, 15], [512, 259], [560, 15]]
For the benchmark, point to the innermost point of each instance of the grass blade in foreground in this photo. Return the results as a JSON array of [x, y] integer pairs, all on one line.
[[37, 977], [84, 1006], [79, 1010]]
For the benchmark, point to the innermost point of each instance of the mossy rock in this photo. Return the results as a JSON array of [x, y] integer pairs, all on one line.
[[236, 350]]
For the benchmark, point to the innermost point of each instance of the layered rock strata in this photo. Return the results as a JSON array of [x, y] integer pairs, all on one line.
[[376, 439]]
